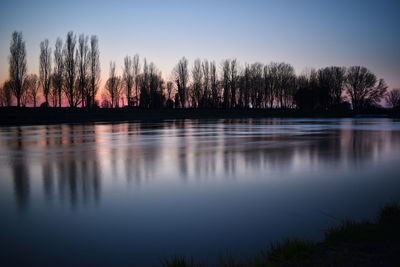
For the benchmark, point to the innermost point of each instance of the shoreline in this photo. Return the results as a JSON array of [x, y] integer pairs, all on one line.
[[13, 116], [373, 242]]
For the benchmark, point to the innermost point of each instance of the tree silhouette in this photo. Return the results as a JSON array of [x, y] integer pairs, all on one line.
[[393, 98], [214, 85], [33, 85], [5, 94], [285, 80], [76, 72], [70, 69], [338, 77], [233, 82], [363, 88], [83, 69], [113, 86], [197, 77], [17, 65], [270, 85], [257, 84], [226, 74], [58, 72], [45, 69], [94, 68], [128, 78], [136, 73], [206, 84], [181, 76]]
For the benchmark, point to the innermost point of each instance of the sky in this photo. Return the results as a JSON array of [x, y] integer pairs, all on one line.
[[305, 33]]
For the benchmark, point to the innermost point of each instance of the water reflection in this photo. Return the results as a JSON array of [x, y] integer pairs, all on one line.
[[73, 161], [20, 172]]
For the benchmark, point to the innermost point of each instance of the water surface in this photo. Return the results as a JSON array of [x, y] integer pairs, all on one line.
[[133, 193]]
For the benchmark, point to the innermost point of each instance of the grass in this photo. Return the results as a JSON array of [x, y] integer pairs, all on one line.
[[365, 243]]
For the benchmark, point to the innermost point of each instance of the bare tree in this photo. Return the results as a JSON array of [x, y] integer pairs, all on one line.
[[17, 65], [45, 69], [83, 68], [136, 72], [53, 92], [245, 87], [214, 85], [94, 68], [5, 94], [197, 76], [393, 98], [233, 80], [181, 76], [285, 84], [156, 84], [206, 82], [33, 85], [70, 69], [113, 86], [270, 84], [128, 78], [58, 72], [338, 75], [226, 81], [363, 87], [170, 87], [256, 84], [144, 86]]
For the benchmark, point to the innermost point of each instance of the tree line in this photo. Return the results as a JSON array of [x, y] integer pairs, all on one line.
[[70, 75]]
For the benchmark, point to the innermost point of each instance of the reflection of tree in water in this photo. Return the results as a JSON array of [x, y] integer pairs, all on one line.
[[183, 127], [70, 159], [262, 149], [20, 172], [77, 168], [139, 153]]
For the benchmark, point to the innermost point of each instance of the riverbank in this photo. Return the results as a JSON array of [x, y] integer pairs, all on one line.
[[368, 243], [10, 116]]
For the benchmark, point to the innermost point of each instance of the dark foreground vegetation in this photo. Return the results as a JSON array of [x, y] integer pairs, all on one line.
[[366, 243], [33, 116]]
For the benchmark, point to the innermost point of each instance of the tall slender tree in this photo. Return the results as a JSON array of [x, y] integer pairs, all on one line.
[[70, 69], [233, 82], [181, 75], [58, 72], [226, 81], [128, 78], [94, 67], [206, 82], [136, 73], [83, 69], [197, 77], [214, 85], [17, 65], [45, 69]]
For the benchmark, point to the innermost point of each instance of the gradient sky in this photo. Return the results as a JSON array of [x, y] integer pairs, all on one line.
[[304, 33]]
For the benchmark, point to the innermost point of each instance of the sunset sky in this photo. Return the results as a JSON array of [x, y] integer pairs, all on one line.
[[303, 33]]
